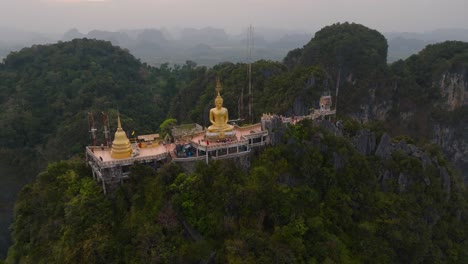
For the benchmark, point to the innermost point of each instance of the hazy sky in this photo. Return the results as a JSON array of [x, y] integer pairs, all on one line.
[[233, 15]]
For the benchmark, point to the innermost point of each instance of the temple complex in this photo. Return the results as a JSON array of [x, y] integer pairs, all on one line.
[[191, 143]]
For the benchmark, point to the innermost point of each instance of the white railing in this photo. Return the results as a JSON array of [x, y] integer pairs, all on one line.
[[231, 155], [187, 159], [256, 134], [127, 161], [249, 127]]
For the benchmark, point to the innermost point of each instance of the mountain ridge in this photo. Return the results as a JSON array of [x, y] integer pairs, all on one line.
[[409, 97]]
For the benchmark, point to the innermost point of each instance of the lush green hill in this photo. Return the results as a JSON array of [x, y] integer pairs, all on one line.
[[314, 198], [352, 47], [429, 99], [421, 74], [429, 89], [352, 56], [46, 92], [295, 204]]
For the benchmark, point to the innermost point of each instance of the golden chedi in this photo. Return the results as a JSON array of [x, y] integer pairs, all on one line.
[[219, 114], [121, 147]]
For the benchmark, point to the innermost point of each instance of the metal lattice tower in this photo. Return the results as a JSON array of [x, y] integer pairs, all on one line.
[[105, 125], [337, 89], [250, 45], [92, 129]]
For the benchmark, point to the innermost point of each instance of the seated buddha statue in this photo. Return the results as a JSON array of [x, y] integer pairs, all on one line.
[[219, 116]]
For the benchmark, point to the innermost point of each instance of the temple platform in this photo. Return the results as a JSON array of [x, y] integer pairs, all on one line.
[[190, 146], [110, 171], [191, 143], [200, 146]]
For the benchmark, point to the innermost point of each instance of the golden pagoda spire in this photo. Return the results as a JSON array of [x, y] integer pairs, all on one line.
[[218, 88], [121, 147], [119, 125]]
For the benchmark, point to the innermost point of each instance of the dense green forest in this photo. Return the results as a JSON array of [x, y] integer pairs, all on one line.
[[295, 205], [314, 198], [47, 90]]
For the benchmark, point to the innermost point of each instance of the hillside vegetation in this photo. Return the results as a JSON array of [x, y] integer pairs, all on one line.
[[46, 92], [316, 197], [294, 205]]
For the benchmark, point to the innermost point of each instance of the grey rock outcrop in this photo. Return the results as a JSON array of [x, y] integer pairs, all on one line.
[[403, 182], [403, 147], [446, 183], [384, 150], [275, 128], [338, 161], [453, 141], [329, 126], [384, 179], [364, 142], [425, 160]]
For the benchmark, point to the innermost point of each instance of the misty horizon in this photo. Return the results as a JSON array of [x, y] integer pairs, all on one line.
[[222, 25], [58, 16], [211, 45]]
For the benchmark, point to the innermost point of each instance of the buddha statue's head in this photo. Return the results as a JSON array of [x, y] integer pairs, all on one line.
[[219, 102]]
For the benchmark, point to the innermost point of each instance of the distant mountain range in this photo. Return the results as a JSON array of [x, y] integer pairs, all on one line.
[[404, 44], [209, 46]]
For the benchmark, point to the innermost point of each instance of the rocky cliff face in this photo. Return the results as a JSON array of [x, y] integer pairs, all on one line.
[[453, 139], [365, 143], [400, 154], [454, 89], [373, 107]]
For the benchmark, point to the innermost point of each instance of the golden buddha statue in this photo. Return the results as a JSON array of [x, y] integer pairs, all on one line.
[[121, 147], [219, 114]]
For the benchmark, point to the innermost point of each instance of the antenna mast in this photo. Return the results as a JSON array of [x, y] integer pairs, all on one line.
[[240, 103], [337, 88], [92, 129], [250, 44], [105, 125]]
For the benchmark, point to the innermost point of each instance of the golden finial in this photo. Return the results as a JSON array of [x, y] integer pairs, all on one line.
[[218, 86], [119, 125]]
